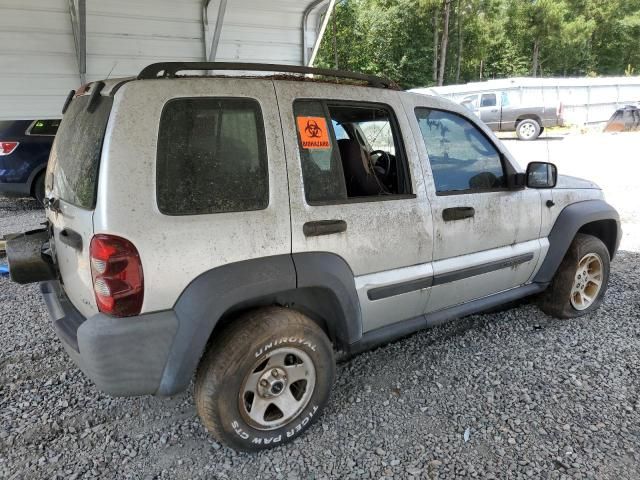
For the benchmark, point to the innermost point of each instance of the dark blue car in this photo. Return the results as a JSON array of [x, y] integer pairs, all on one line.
[[24, 151]]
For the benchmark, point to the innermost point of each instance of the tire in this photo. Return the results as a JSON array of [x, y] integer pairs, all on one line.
[[38, 189], [528, 129], [245, 377], [563, 299]]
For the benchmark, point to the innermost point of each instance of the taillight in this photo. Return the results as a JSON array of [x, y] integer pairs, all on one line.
[[116, 270], [7, 148]]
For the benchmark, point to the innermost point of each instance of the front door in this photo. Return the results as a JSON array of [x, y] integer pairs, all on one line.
[[486, 236], [357, 191]]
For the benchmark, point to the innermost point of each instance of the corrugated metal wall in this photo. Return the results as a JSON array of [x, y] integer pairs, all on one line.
[[584, 100], [38, 64]]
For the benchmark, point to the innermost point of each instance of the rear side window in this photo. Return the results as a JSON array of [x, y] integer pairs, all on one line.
[[44, 127], [75, 156], [350, 151], [212, 157]]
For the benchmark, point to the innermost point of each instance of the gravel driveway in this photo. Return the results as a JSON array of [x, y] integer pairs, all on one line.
[[513, 394]]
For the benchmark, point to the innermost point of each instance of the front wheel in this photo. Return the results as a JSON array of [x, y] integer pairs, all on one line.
[[528, 129], [580, 283], [265, 380]]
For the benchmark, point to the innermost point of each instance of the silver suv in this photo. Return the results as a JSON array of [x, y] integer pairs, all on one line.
[[243, 229]]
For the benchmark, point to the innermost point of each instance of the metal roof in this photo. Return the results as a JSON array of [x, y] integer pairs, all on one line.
[[49, 48]]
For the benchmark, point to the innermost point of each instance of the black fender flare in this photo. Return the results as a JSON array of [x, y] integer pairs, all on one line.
[[315, 282], [568, 223]]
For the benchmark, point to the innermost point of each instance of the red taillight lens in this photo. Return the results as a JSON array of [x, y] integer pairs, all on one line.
[[116, 269], [7, 148]]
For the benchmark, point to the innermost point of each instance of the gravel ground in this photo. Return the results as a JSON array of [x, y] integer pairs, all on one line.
[[513, 394]]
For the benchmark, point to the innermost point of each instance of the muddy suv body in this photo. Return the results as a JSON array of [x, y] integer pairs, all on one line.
[[244, 229]]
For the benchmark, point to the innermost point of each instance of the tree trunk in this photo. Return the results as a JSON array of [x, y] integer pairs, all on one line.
[[460, 39], [335, 41], [536, 57], [445, 40], [435, 45], [481, 69]]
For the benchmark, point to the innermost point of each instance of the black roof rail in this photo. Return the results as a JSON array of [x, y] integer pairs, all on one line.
[[169, 70]]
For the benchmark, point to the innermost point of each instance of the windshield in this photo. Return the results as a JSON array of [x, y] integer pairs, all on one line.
[[75, 155]]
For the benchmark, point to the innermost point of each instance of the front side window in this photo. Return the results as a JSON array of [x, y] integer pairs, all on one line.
[[461, 156], [349, 151], [212, 157]]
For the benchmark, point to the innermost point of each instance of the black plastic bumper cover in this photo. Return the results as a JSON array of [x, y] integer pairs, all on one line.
[[123, 356]]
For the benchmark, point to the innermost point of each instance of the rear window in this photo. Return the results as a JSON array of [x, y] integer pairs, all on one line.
[[44, 127], [212, 157], [75, 155]]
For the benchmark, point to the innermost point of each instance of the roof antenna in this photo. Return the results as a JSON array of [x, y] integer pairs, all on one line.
[[110, 71]]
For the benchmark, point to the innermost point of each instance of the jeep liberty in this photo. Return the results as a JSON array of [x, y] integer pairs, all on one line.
[[242, 230]]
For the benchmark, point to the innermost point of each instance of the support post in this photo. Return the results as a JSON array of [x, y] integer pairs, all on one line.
[[211, 48], [78, 15]]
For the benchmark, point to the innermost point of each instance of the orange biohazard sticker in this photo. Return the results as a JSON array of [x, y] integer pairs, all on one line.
[[313, 132]]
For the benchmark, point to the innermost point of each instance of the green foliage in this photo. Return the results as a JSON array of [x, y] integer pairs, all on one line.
[[496, 38]]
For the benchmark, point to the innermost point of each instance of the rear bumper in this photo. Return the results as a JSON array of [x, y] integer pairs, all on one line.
[[122, 356]]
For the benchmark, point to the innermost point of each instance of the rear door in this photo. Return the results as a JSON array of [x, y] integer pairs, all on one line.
[[383, 227], [71, 183]]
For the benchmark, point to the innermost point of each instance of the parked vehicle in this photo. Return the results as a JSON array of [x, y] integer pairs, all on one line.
[[624, 119], [24, 151], [502, 115], [242, 229]]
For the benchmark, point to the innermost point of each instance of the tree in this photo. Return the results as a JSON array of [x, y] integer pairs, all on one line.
[[409, 40], [445, 40]]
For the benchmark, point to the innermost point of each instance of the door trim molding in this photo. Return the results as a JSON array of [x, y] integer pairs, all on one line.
[[378, 293], [467, 272]]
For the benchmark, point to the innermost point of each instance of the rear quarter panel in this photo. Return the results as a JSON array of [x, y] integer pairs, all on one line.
[[176, 249]]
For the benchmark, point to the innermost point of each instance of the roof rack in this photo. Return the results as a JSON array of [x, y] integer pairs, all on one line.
[[169, 70]]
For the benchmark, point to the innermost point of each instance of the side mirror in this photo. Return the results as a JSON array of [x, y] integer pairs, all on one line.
[[542, 175]]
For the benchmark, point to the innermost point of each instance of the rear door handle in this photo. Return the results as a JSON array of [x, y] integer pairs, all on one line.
[[324, 227], [457, 213]]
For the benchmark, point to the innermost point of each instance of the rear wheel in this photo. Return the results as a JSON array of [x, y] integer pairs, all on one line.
[[38, 189], [528, 129], [266, 379], [580, 283]]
